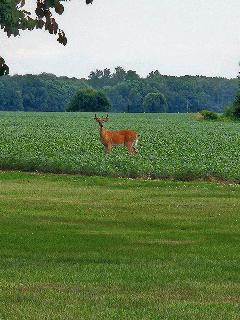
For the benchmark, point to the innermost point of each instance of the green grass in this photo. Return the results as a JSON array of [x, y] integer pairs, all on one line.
[[89, 247], [172, 146]]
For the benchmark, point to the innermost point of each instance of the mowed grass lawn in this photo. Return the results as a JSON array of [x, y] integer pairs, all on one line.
[[92, 247]]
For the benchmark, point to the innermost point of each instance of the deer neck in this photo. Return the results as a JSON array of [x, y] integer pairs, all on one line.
[[103, 132]]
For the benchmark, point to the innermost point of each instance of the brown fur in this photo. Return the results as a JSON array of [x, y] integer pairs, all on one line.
[[109, 138]]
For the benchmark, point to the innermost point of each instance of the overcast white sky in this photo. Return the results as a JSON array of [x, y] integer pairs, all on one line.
[[177, 37]]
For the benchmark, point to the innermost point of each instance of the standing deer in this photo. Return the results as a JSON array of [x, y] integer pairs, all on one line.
[[128, 138]]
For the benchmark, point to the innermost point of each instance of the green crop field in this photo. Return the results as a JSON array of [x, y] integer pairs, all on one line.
[[75, 247], [171, 145], [78, 247]]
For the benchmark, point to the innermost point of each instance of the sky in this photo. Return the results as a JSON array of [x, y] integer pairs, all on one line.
[[176, 37]]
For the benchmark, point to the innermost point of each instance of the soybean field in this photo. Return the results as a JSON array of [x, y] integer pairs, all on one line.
[[175, 146]]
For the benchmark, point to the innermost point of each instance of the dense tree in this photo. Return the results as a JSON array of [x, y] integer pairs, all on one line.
[[132, 75], [135, 100], [13, 19], [154, 74], [106, 73], [46, 92], [119, 74], [183, 94], [234, 109], [86, 100], [155, 102], [100, 78]]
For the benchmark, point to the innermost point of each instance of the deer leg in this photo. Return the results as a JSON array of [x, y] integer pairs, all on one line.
[[130, 148], [135, 146], [135, 150], [108, 148]]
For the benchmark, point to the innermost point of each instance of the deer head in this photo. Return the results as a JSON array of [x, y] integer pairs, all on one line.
[[101, 120]]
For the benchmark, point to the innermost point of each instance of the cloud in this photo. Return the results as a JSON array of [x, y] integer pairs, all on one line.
[[177, 37]]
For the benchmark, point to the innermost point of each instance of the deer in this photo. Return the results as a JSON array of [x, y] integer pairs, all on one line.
[[128, 138]]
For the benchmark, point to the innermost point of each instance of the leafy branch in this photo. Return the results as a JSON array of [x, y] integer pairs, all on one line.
[[13, 19]]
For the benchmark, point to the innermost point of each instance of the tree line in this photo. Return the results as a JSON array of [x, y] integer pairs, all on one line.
[[125, 90], [44, 92], [129, 92]]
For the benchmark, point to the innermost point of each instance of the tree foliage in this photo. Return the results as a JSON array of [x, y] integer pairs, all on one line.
[[236, 106], [14, 18], [208, 115], [236, 103], [86, 100], [233, 110], [155, 102], [3, 67], [46, 92], [182, 94]]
